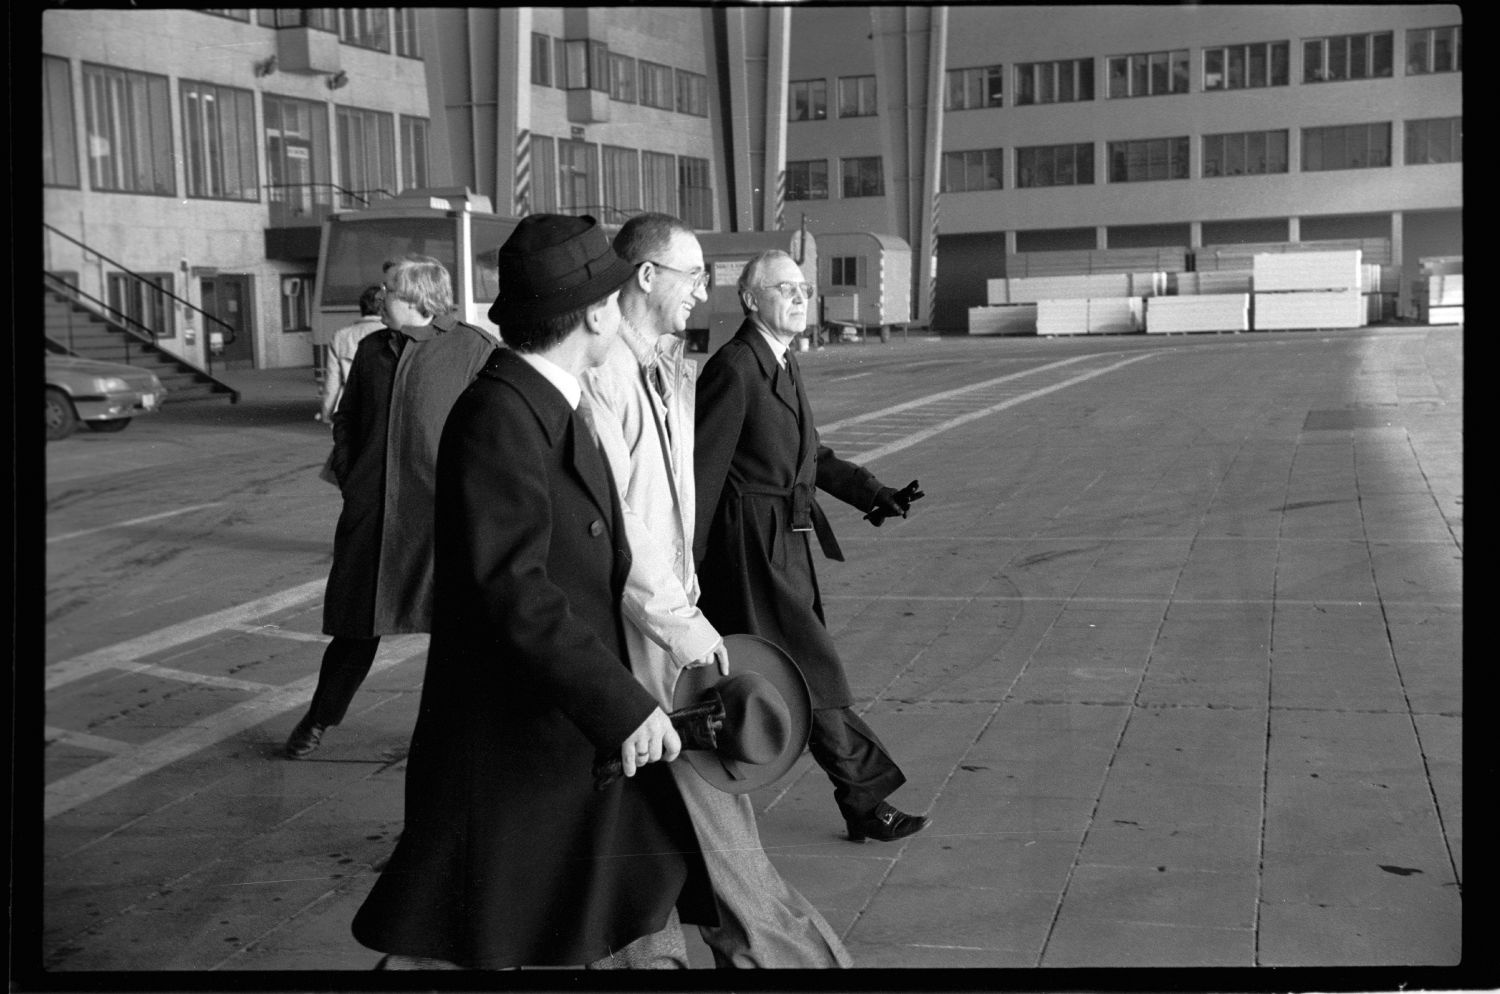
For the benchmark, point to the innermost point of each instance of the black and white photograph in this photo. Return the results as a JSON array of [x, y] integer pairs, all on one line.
[[885, 496]]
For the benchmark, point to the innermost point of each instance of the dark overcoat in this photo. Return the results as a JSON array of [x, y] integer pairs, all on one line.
[[386, 430], [758, 464], [509, 856]]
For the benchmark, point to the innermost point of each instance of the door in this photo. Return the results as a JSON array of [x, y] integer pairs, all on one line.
[[228, 299]]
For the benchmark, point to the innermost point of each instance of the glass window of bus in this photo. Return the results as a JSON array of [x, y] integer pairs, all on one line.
[[359, 249]]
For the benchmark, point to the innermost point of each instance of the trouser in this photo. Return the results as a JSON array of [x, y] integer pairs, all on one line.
[[346, 663], [763, 920], [852, 755]]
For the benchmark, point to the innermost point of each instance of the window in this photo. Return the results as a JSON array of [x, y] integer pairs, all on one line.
[[218, 137], [807, 180], [622, 178], [296, 302], [1436, 139], [541, 59], [233, 13], [321, 18], [659, 182], [367, 156], [809, 100], [585, 65], [694, 193], [1148, 159], [1363, 56], [413, 152], [577, 174], [982, 169], [856, 96], [129, 123], [143, 303], [656, 85], [1349, 146], [1148, 74], [1238, 67], [843, 270], [1245, 153], [544, 174], [969, 89], [1434, 50], [408, 41], [692, 93], [365, 27], [863, 177], [59, 142], [1055, 82], [1055, 165], [621, 78], [297, 157]]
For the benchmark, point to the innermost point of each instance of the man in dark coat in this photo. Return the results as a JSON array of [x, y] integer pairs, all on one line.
[[509, 855], [758, 462], [403, 380]]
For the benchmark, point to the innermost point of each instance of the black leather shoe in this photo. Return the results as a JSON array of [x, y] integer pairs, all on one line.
[[304, 738], [885, 824]]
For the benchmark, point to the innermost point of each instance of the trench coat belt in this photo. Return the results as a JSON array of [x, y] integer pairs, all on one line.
[[806, 515]]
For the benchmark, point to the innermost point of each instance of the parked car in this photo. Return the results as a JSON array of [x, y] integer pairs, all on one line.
[[102, 395]]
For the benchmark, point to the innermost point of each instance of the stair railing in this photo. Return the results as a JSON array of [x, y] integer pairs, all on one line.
[[125, 320]]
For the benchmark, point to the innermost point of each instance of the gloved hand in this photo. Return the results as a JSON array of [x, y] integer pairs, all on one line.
[[892, 503]]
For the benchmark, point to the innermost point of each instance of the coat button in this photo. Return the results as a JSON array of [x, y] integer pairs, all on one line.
[[596, 529]]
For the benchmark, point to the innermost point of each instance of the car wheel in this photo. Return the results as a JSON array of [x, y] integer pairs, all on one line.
[[62, 421], [113, 424]]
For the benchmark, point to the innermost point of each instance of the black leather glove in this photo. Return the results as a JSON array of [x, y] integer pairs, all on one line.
[[892, 503]]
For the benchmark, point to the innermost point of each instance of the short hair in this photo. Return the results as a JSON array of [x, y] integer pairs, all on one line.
[[752, 269], [423, 282], [646, 235], [541, 334], [369, 301]]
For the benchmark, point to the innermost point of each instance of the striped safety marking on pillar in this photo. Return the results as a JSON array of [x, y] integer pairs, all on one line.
[[932, 244], [781, 200], [523, 173]]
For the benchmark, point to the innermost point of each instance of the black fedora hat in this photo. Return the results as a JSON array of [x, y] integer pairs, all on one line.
[[768, 715], [552, 264]]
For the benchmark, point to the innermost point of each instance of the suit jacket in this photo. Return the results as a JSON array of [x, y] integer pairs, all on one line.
[[758, 464], [401, 387], [509, 856], [649, 445]]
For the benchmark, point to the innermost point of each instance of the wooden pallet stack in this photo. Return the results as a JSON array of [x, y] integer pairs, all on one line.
[[1197, 313], [1439, 290], [1307, 290]]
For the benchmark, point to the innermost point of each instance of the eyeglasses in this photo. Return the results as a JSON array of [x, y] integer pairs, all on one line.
[[787, 289], [701, 277]]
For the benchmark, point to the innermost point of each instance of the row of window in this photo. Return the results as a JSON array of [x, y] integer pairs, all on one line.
[[1353, 146], [585, 64], [1228, 67], [144, 299], [366, 27], [572, 176], [129, 144]]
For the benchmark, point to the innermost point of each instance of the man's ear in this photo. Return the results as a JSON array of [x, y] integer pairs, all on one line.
[[641, 279], [749, 300]]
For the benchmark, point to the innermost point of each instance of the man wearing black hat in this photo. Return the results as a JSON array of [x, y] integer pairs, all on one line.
[[509, 855]]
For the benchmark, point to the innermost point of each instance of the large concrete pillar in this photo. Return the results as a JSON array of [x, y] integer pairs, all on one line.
[[757, 47]]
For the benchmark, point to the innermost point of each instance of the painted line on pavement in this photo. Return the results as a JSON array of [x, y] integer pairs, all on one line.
[[123, 654], [132, 521], [926, 433], [203, 679], [277, 632], [104, 776], [1174, 601], [83, 740]]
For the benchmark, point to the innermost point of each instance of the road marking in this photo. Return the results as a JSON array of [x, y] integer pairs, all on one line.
[[104, 776], [276, 631], [83, 740], [132, 521], [926, 433], [204, 679], [124, 654]]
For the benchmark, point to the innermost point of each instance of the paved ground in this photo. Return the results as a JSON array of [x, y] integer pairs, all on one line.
[[1172, 658]]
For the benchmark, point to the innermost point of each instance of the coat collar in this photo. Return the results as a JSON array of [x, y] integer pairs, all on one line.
[[770, 368]]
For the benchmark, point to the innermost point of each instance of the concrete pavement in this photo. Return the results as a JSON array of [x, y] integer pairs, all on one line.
[[1173, 660]]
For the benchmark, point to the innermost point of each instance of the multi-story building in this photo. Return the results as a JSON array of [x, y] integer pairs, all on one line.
[[188, 158], [200, 149]]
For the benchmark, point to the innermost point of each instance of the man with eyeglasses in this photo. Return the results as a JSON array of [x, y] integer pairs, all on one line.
[[641, 403], [758, 465]]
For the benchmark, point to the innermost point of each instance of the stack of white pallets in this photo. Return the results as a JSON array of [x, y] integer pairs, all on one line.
[[1445, 298], [1011, 319], [1212, 281], [1032, 289], [1308, 290], [1198, 312], [1090, 316]]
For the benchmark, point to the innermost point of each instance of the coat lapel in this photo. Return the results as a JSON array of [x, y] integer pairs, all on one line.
[[777, 380]]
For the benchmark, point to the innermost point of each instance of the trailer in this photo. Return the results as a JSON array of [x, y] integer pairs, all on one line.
[[868, 284], [725, 253]]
